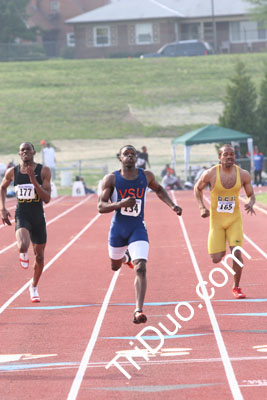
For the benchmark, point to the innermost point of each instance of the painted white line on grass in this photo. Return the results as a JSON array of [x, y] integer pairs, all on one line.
[[87, 354], [21, 290], [221, 346], [52, 220]]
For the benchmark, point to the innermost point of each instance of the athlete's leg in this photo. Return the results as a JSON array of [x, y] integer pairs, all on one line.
[[23, 239], [236, 267], [38, 263], [216, 243], [117, 256], [139, 253], [140, 282]]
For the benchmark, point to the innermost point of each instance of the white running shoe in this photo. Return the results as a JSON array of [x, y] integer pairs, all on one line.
[[35, 298], [24, 260]]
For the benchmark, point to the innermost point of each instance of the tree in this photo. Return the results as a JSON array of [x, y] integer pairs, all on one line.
[[261, 138], [13, 21], [259, 11], [240, 102]]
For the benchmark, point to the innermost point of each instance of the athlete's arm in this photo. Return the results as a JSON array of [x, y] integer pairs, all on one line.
[[8, 178], [203, 181], [161, 192], [246, 179], [104, 205], [44, 191]]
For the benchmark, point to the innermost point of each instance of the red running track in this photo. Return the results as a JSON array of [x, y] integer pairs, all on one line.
[[60, 348]]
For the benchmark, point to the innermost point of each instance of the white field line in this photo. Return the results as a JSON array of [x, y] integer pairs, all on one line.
[[221, 346], [21, 290], [52, 220], [51, 203], [87, 354], [262, 252]]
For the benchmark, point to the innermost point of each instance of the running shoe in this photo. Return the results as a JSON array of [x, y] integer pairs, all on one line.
[[35, 298], [129, 263], [237, 292], [139, 317], [24, 260]]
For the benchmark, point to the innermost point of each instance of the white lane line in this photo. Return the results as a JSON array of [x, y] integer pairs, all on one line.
[[21, 290], [262, 252], [45, 207], [52, 220], [221, 346], [87, 354]]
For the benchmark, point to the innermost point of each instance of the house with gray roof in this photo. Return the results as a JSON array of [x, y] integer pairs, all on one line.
[[133, 27]]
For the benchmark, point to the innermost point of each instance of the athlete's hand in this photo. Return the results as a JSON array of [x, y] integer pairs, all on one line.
[[177, 209], [30, 172], [249, 209], [5, 217], [128, 202], [204, 212]]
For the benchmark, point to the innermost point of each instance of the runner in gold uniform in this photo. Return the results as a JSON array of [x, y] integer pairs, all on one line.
[[225, 181]]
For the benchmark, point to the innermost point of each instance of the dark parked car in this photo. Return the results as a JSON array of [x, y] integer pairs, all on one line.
[[181, 49]]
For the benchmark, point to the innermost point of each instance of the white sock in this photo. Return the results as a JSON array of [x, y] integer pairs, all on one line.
[[24, 256]]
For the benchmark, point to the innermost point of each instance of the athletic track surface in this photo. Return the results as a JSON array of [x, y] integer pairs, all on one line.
[[59, 349]]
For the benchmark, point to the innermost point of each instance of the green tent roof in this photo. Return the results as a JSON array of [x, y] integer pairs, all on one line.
[[211, 134]]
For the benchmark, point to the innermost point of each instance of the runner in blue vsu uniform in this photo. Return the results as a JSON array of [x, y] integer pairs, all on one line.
[[124, 191], [32, 185]]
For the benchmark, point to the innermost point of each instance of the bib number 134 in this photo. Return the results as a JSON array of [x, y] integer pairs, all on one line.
[[132, 211]]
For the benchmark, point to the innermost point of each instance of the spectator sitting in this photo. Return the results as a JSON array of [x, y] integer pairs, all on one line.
[[86, 189], [167, 169], [170, 181]]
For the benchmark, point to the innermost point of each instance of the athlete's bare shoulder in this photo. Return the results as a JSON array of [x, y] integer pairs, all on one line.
[[209, 175], [8, 178], [244, 175], [109, 180]]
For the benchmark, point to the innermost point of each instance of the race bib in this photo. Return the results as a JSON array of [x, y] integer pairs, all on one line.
[[132, 211], [25, 192], [226, 206]]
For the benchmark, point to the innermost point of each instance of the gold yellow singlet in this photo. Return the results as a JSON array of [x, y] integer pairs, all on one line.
[[225, 216]]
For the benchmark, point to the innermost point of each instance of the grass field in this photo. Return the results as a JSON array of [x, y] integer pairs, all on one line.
[[93, 99], [262, 198]]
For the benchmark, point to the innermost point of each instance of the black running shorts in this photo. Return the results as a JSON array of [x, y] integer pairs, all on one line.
[[36, 227]]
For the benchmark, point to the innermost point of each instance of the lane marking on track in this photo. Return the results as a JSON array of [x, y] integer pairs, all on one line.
[[51, 262], [102, 364], [253, 244], [87, 354], [51, 203], [233, 384], [52, 220]]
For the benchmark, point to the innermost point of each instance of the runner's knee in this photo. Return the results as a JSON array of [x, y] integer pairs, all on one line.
[[140, 268], [39, 259], [116, 264], [217, 257]]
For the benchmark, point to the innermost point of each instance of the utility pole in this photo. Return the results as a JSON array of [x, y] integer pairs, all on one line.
[[213, 27]]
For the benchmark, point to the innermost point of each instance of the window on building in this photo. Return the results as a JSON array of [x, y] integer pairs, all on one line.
[[54, 6], [143, 33], [190, 31], [70, 39], [101, 36], [247, 31]]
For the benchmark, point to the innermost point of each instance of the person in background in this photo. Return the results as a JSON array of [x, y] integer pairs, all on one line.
[[49, 159], [142, 158], [171, 182], [258, 160], [167, 169]]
